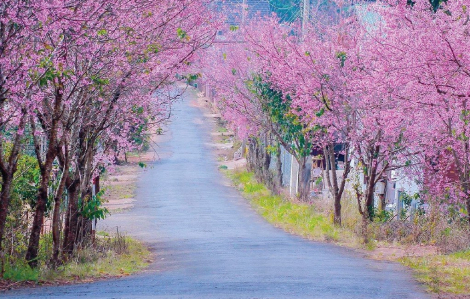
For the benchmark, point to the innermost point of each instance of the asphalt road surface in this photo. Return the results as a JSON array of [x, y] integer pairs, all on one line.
[[209, 243]]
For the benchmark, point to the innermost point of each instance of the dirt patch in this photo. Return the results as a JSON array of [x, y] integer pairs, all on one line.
[[395, 252], [120, 187], [8, 285]]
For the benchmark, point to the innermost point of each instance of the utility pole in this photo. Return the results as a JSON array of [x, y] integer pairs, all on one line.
[[305, 17]]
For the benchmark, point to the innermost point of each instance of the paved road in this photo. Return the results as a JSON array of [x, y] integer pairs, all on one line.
[[211, 244]]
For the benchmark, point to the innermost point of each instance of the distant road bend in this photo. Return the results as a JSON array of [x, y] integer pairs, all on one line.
[[209, 243]]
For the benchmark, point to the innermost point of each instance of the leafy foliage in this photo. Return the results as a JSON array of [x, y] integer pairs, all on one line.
[[26, 181], [92, 208], [278, 107]]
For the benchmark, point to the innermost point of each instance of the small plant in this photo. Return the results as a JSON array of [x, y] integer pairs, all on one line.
[[408, 201], [272, 150], [92, 209], [19, 271], [382, 215], [253, 187], [222, 130]]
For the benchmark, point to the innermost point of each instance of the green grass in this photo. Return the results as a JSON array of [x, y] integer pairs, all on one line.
[[20, 271], [222, 130], [443, 273], [88, 264], [122, 191], [133, 154], [111, 264], [297, 218]]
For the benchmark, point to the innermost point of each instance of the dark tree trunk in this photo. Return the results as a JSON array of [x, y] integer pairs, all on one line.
[[468, 209], [337, 217], [466, 191], [369, 197], [364, 215], [97, 184], [4, 203], [71, 220], [86, 171], [7, 170], [46, 168], [259, 160], [334, 189], [84, 224], [56, 225], [368, 213], [252, 155], [365, 227], [279, 168], [304, 179], [41, 203], [365, 199], [56, 231]]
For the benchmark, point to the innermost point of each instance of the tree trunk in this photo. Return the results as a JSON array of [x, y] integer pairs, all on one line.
[[365, 226], [252, 156], [96, 183], [71, 220], [41, 199], [369, 197], [56, 227], [368, 212], [46, 168], [84, 224], [334, 189], [5, 203], [56, 231], [337, 216], [304, 179], [279, 168], [8, 169], [259, 160], [41, 203], [468, 209], [364, 214], [85, 167]]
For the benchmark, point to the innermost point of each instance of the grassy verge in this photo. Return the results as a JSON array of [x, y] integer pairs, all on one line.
[[297, 218], [110, 257], [442, 273], [445, 274], [112, 263]]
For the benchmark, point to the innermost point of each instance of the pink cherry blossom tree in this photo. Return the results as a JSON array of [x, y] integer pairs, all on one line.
[[17, 34], [82, 76], [424, 60]]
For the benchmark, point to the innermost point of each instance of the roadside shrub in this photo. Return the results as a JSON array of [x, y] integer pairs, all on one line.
[[453, 238]]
